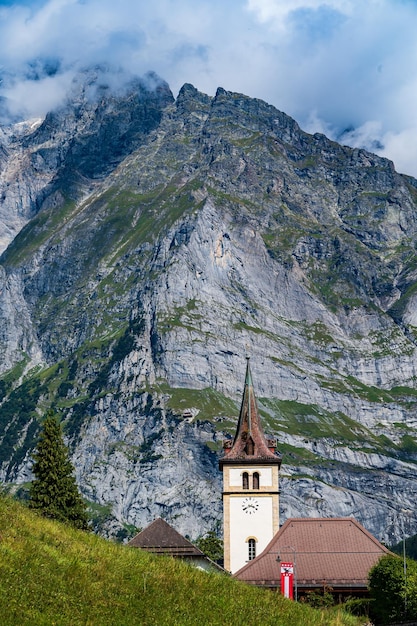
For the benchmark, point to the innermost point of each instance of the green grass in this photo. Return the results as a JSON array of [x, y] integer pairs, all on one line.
[[17, 371], [38, 230], [312, 421], [185, 316], [318, 333], [53, 575], [211, 404], [298, 456]]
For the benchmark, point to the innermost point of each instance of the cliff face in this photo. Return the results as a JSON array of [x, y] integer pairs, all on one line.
[[45, 162], [161, 241]]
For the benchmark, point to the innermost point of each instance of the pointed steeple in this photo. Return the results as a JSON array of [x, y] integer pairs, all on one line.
[[250, 443]]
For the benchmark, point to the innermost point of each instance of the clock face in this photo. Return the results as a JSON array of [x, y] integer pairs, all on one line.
[[250, 505]]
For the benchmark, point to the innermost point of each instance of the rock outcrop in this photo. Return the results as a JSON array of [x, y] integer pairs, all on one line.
[[156, 243]]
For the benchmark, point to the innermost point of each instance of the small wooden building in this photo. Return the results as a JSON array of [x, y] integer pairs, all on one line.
[[160, 538], [334, 553]]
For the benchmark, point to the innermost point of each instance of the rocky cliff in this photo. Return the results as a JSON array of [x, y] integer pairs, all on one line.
[[149, 245]]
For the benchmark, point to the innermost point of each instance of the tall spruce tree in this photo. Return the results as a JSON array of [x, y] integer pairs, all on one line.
[[54, 491]]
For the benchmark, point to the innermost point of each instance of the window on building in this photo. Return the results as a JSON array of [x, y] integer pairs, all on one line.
[[245, 480], [251, 549], [255, 480]]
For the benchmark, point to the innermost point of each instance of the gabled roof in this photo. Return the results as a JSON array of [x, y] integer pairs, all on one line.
[[250, 443], [160, 538], [338, 552]]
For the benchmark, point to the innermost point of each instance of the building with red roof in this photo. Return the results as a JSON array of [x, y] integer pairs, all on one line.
[[334, 553]]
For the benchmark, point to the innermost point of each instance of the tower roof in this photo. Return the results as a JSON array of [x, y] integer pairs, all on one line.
[[250, 443]]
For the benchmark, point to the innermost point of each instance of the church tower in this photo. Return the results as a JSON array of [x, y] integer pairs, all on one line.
[[250, 466]]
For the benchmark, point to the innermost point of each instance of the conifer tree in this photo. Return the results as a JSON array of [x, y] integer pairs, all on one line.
[[54, 491]]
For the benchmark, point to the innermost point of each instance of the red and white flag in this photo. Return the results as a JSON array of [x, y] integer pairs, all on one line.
[[287, 580]]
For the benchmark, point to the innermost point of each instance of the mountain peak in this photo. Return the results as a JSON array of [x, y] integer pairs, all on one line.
[[162, 242]]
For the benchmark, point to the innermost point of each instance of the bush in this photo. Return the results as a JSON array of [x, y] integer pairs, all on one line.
[[211, 545], [394, 596], [319, 599], [358, 606]]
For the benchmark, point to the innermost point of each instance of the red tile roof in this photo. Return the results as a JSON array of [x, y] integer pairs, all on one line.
[[160, 538], [337, 552]]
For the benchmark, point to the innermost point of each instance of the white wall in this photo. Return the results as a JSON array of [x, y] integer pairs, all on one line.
[[245, 525]]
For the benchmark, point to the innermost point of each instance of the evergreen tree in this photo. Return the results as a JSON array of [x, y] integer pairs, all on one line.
[[54, 491]]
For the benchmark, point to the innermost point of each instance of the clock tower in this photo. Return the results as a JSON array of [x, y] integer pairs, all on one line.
[[250, 466]]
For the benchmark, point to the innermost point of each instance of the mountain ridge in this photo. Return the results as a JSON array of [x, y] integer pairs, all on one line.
[[129, 304]]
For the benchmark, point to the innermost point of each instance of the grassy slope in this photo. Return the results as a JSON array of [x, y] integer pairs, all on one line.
[[53, 575]]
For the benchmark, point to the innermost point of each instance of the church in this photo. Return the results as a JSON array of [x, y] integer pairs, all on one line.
[[334, 553], [250, 466]]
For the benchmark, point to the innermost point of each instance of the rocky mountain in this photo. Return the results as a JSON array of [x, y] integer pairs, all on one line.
[[149, 244]]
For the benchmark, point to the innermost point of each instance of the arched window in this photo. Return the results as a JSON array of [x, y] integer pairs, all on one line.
[[245, 480], [251, 549], [255, 480]]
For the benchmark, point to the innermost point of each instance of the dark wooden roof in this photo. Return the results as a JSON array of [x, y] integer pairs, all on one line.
[[160, 538], [338, 552], [250, 443]]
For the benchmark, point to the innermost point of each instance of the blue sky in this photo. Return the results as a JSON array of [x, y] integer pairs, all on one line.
[[347, 68]]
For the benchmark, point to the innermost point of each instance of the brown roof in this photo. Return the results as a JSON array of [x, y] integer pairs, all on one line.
[[159, 537], [338, 552], [250, 443]]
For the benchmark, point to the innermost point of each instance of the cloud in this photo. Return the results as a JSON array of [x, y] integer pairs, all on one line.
[[346, 66], [277, 13], [45, 94]]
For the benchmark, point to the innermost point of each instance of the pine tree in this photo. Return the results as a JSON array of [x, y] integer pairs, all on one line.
[[54, 491]]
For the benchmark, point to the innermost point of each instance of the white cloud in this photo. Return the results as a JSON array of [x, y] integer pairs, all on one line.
[[277, 11], [44, 94], [401, 147]]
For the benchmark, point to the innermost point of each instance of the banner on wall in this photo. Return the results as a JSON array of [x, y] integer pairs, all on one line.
[[287, 580]]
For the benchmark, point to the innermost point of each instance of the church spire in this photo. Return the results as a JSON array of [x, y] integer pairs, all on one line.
[[250, 443], [250, 466]]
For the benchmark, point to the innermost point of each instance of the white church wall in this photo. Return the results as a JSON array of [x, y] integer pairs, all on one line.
[[249, 522]]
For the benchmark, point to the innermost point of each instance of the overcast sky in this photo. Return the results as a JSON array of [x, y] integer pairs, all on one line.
[[333, 65]]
